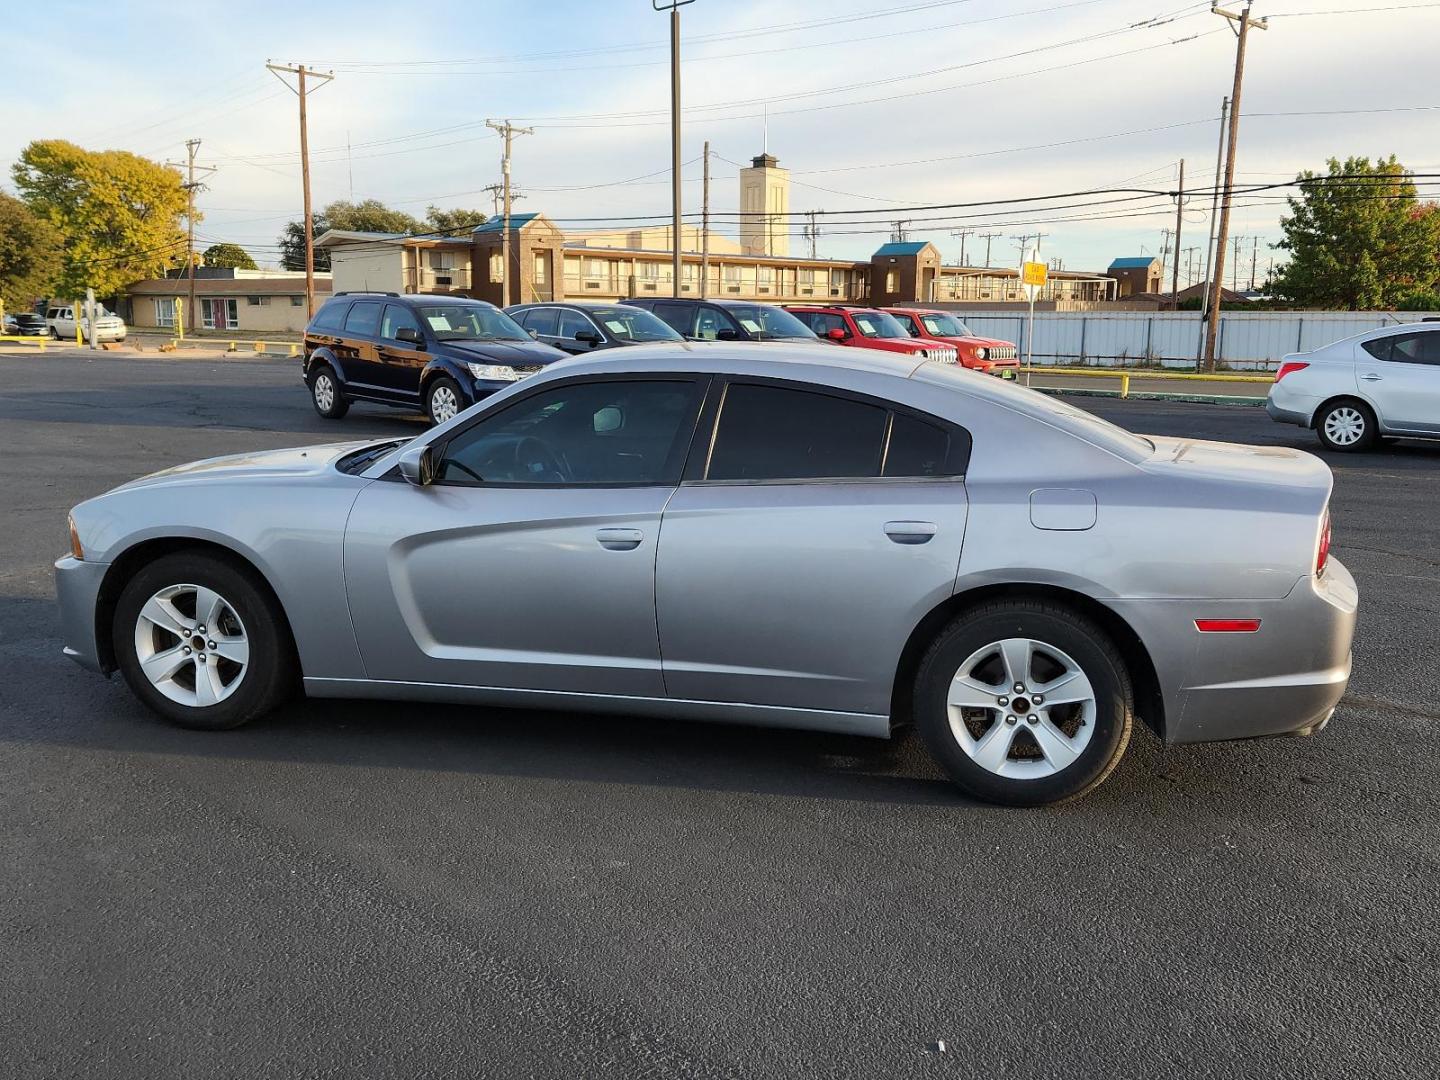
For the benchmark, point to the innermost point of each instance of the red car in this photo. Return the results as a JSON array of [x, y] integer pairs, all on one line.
[[868, 328], [989, 355]]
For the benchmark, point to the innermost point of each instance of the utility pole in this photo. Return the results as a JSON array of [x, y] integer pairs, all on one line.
[[674, 6], [191, 186], [897, 231], [1235, 267], [961, 234], [1214, 217], [1179, 224], [1190, 266], [508, 131], [1164, 254], [987, 237], [1254, 258], [812, 231], [302, 92], [1242, 35], [496, 191], [705, 225]]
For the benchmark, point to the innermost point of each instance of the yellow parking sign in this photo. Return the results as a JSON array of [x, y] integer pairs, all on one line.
[[1034, 273]]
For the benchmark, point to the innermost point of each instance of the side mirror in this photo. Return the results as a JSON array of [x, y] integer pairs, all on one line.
[[727, 335], [836, 333], [410, 334], [590, 337], [417, 465], [914, 332], [535, 334]]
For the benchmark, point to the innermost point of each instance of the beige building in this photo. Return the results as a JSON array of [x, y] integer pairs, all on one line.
[[653, 238], [764, 204], [249, 301]]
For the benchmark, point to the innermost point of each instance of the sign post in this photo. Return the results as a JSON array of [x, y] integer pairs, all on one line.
[[1033, 276]]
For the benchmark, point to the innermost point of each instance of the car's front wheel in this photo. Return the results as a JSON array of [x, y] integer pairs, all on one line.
[[202, 642], [442, 399], [1024, 702], [1346, 426], [325, 394]]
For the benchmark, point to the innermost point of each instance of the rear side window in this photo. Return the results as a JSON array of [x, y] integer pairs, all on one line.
[[1378, 347], [543, 321], [775, 433], [676, 316], [363, 319], [329, 317], [917, 448]]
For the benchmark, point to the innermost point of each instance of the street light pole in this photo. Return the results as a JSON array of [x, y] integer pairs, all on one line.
[[674, 6]]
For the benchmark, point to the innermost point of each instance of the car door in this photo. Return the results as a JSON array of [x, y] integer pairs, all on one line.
[[401, 362], [572, 323], [1400, 373], [530, 563], [542, 324], [679, 317], [798, 557], [359, 350]]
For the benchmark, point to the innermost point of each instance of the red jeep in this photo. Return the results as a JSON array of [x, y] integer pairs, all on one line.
[[989, 355], [867, 328]]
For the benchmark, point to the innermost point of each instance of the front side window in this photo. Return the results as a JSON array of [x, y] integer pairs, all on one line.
[[1418, 348], [397, 318], [876, 324], [629, 431], [711, 321], [363, 319], [776, 433], [572, 323], [469, 322]]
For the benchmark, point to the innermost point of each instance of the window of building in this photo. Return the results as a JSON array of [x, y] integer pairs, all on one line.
[[219, 314], [164, 311], [363, 319], [257, 301], [892, 281], [297, 301], [580, 434], [649, 271], [497, 268], [441, 260], [542, 267], [595, 268]]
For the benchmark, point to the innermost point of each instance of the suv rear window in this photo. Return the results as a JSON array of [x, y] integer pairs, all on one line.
[[331, 316], [364, 318]]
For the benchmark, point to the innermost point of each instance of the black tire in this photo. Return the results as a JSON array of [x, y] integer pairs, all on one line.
[[1052, 626], [434, 388], [269, 674], [322, 378], [1353, 411]]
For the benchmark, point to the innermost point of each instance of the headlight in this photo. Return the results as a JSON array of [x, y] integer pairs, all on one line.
[[982, 354], [494, 372]]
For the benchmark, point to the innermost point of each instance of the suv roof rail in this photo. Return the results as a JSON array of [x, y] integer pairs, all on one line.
[[364, 292]]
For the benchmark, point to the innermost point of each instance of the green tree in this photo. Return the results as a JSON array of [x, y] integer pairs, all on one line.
[[453, 222], [1359, 238], [371, 215], [229, 255], [118, 213], [29, 255]]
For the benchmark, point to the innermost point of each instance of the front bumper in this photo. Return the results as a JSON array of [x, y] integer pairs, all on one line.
[[77, 592], [1285, 679]]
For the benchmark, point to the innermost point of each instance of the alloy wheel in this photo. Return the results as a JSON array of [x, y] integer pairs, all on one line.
[[191, 645], [443, 404], [1021, 708], [324, 391], [1345, 426]]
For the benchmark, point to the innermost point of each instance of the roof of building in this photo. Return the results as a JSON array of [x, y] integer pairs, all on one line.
[[898, 247], [283, 286], [1137, 262], [495, 223]]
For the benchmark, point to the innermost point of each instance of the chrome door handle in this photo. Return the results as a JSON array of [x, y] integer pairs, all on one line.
[[619, 539], [910, 532], [1372, 378]]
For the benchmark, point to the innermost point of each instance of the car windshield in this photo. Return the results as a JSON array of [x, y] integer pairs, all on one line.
[[769, 322], [877, 324], [945, 326], [632, 325], [475, 322]]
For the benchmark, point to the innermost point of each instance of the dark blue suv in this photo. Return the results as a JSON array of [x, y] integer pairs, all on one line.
[[441, 353]]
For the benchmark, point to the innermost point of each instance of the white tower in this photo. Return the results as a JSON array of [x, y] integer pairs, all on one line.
[[764, 203]]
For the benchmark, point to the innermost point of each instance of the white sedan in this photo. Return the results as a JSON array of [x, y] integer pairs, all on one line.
[[1377, 384]]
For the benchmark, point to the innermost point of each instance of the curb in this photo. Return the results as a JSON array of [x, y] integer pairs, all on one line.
[[1194, 399]]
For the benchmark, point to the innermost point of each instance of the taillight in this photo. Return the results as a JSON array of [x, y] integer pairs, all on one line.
[[1289, 367], [1322, 550]]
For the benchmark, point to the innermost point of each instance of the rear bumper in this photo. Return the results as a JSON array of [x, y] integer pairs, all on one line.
[[1286, 416], [1285, 679], [77, 591], [1287, 405]]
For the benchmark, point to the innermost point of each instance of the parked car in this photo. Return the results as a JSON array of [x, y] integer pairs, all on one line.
[[868, 328], [990, 355], [441, 353], [725, 320], [778, 535], [581, 327], [61, 319], [25, 324], [1374, 385]]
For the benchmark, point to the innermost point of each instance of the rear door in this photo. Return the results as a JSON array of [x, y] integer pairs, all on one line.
[[805, 546], [359, 349], [679, 317], [1400, 373]]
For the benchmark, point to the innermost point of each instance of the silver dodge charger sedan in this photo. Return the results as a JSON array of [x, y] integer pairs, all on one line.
[[841, 540]]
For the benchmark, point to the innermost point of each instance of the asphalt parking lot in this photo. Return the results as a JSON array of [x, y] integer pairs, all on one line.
[[369, 889]]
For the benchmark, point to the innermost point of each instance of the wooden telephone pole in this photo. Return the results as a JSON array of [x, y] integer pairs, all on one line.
[[191, 186], [1245, 24], [302, 91], [508, 131], [1179, 224], [705, 226]]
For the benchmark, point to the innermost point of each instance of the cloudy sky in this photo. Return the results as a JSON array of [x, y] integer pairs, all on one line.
[[874, 107]]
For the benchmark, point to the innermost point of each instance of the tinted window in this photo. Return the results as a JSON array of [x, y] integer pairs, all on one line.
[[774, 433], [572, 323], [710, 321], [363, 319], [331, 316], [907, 323], [542, 320], [679, 317], [823, 322], [623, 432], [1379, 348], [917, 448], [763, 321], [629, 324], [395, 318], [1420, 348]]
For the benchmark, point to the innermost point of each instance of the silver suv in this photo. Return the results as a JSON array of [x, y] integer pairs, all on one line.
[[1374, 385]]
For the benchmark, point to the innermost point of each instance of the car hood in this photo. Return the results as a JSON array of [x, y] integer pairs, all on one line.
[[524, 353], [295, 462]]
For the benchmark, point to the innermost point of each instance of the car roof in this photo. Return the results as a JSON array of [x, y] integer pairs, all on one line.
[[583, 305], [406, 298]]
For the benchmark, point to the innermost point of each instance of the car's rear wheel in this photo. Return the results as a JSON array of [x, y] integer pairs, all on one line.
[[1024, 702], [202, 642], [1346, 426], [443, 400], [325, 394]]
